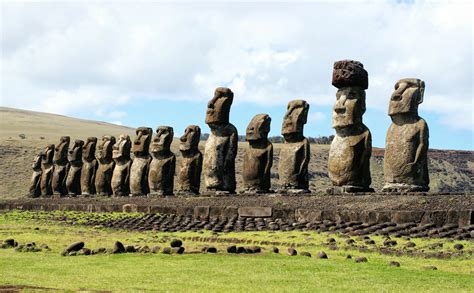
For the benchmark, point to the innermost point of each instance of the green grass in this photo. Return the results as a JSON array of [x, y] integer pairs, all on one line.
[[265, 272]]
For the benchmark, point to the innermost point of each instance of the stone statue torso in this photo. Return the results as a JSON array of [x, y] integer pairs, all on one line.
[[161, 174], [120, 179], [88, 176], [138, 175], [349, 159], [189, 173], [219, 159], [257, 164], [293, 164]]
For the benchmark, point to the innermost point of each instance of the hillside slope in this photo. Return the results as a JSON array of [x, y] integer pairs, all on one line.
[[25, 133]]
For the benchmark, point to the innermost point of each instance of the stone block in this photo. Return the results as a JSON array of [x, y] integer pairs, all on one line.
[[129, 208], [201, 212], [255, 212]]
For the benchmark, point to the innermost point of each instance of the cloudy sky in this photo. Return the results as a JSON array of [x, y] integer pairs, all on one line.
[[153, 63]]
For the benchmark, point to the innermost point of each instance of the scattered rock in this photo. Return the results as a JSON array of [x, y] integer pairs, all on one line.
[[44, 246], [241, 249], [369, 242], [178, 250], [390, 243], [322, 255], [253, 249], [348, 256], [305, 253], [292, 251], [232, 249], [76, 246], [155, 249], [144, 249], [11, 242], [99, 250], [350, 241], [130, 249], [458, 246], [176, 243], [410, 244], [167, 250], [331, 240], [84, 251], [118, 247], [72, 253], [361, 259], [275, 250], [394, 264], [211, 250], [433, 268]]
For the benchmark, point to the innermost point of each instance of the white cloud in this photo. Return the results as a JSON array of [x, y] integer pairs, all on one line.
[[67, 57], [316, 116]]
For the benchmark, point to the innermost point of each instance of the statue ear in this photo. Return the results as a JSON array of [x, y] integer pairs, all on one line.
[[422, 92]]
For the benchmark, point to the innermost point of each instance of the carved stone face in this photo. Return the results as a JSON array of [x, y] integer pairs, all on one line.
[[162, 140], [75, 154], [37, 161], [121, 149], [104, 150], [218, 108], [349, 107], [295, 118], [406, 97], [190, 139], [48, 154], [88, 150], [62, 149], [258, 128], [142, 141]]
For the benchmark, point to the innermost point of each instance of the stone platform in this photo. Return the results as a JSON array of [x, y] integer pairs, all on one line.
[[416, 209]]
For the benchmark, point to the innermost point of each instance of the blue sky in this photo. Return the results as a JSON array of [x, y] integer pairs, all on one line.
[[152, 63]]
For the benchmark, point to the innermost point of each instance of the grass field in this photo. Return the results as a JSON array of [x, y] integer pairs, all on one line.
[[195, 271]]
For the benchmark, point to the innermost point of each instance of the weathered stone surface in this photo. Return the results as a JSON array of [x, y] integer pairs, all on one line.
[[322, 255], [406, 146], [292, 252], [129, 208], [201, 212], [255, 212], [190, 167], [163, 163], [176, 243], [295, 152], [61, 166], [349, 73], [350, 151], [106, 164], [141, 162], [73, 179], [361, 259], [47, 171], [35, 183], [258, 158], [118, 247], [221, 146], [89, 167], [76, 246], [121, 175]]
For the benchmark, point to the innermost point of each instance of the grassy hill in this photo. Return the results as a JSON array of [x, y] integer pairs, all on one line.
[[25, 133]]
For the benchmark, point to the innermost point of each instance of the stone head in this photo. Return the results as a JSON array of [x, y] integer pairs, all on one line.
[[218, 108], [75, 154], [162, 140], [104, 150], [88, 150], [48, 154], [62, 148], [295, 118], [142, 141], [37, 161], [349, 107], [190, 139], [121, 149], [258, 128], [407, 96]]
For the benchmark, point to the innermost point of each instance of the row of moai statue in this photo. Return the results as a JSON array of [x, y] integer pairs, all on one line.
[[111, 171]]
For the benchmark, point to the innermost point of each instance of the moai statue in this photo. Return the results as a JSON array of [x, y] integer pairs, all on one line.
[[221, 146], [35, 185], [103, 176], [350, 151], [123, 162], [295, 152], [406, 146], [258, 158], [89, 167], [47, 170], [141, 162], [189, 170], [163, 163], [61, 167], [73, 179]]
